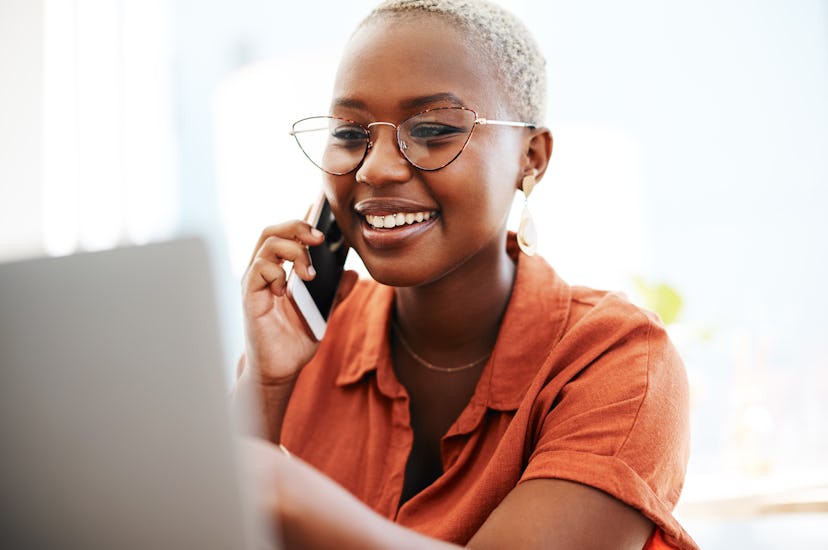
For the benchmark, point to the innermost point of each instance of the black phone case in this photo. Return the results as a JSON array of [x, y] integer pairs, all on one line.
[[328, 260]]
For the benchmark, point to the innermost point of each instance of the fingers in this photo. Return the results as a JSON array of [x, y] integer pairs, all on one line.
[[279, 243], [265, 273], [294, 230], [277, 250]]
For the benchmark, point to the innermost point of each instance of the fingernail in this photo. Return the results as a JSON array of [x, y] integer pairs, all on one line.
[[311, 271], [316, 233]]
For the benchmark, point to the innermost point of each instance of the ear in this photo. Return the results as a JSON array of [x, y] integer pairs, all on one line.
[[538, 152]]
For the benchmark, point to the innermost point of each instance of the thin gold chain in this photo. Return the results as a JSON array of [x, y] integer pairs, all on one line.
[[432, 366]]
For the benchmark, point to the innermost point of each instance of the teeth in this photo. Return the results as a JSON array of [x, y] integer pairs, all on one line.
[[399, 219]]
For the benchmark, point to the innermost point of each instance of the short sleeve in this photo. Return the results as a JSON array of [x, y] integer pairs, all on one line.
[[620, 424]]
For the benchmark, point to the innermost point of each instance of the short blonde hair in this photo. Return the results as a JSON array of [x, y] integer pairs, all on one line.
[[503, 38]]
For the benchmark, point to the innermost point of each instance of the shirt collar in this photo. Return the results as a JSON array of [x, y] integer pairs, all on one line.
[[533, 323], [366, 345]]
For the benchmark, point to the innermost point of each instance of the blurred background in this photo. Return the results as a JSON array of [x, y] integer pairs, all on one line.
[[689, 170]]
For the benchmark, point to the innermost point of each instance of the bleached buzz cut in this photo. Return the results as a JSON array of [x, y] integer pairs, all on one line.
[[502, 38]]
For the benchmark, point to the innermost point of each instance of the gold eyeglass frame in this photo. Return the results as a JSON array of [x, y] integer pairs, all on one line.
[[478, 121]]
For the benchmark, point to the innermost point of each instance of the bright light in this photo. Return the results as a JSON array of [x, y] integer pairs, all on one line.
[[262, 176], [589, 208], [109, 154], [60, 129], [149, 148], [100, 129]]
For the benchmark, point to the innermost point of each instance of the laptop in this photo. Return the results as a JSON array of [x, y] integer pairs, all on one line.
[[115, 427]]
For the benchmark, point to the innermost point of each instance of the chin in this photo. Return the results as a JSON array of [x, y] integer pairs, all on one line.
[[404, 274], [394, 275], [399, 272]]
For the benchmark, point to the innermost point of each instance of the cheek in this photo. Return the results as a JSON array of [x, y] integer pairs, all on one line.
[[488, 180], [338, 190]]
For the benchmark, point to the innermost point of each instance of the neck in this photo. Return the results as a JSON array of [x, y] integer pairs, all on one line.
[[459, 315]]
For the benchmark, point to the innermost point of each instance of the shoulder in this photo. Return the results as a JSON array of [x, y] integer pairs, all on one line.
[[586, 321], [560, 311], [554, 333], [590, 305], [611, 404], [601, 322], [616, 354]]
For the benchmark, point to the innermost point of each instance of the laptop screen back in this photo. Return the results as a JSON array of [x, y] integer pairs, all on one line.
[[114, 424]]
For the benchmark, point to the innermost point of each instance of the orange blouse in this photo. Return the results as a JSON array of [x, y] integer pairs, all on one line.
[[581, 386]]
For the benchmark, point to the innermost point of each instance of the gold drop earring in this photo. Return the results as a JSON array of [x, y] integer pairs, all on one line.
[[527, 235]]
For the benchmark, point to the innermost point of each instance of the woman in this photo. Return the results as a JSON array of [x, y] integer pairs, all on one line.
[[466, 394]]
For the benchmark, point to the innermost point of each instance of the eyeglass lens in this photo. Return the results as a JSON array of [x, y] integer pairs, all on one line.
[[429, 140]]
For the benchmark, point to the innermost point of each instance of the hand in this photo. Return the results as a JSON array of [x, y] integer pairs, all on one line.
[[277, 344]]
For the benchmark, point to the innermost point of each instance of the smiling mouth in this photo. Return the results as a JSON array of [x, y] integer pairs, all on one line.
[[398, 219]]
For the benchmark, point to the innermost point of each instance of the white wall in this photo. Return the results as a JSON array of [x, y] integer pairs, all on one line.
[[21, 135]]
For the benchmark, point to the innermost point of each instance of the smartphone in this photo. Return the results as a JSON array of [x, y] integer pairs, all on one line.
[[313, 300]]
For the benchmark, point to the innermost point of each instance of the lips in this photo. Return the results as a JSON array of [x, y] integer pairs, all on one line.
[[394, 222]]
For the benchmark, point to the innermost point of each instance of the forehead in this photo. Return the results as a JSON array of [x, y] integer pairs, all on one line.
[[393, 60]]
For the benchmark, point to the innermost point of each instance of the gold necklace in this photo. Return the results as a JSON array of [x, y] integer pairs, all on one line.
[[432, 366]]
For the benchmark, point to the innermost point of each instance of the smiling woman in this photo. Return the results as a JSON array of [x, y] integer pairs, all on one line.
[[464, 393]]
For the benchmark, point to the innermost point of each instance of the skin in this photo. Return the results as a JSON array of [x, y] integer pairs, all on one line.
[[453, 281]]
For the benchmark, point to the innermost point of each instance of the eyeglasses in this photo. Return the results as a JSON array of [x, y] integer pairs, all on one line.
[[429, 140]]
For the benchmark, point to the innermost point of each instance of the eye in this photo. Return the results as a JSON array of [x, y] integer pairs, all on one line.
[[434, 130], [349, 133]]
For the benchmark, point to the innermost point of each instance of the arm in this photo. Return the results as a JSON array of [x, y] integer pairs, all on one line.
[[312, 511], [554, 513], [266, 400], [277, 346]]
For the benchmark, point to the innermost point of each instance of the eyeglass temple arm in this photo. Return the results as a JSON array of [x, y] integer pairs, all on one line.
[[486, 121], [294, 132]]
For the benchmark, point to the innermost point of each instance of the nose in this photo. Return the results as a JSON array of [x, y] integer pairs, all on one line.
[[383, 162]]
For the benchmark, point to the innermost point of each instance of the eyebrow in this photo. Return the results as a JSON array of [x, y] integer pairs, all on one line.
[[413, 103], [429, 99]]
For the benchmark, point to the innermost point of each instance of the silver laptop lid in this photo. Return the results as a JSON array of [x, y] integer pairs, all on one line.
[[114, 424]]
